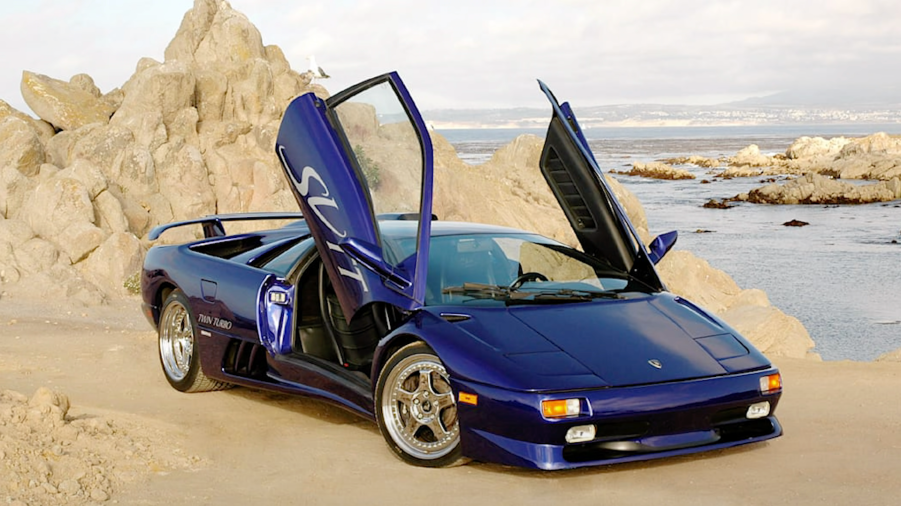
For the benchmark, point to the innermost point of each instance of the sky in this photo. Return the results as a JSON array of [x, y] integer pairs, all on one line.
[[468, 54]]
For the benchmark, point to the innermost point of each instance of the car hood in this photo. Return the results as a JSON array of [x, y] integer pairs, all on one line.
[[647, 339]]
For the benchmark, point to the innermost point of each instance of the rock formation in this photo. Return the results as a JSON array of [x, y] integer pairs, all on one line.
[[656, 170], [189, 136], [877, 156], [816, 189]]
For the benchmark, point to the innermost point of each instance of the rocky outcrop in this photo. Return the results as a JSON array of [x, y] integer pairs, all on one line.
[[816, 189], [656, 170], [877, 156], [182, 138], [700, 161]]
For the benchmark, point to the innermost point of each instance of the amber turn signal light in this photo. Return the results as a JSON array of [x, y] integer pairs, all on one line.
[[770, 384], [561, 408]]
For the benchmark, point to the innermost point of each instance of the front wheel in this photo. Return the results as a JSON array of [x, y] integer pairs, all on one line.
[[179, 354], [416, 410]]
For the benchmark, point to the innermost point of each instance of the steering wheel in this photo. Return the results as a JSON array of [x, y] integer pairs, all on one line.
[[525, 278]]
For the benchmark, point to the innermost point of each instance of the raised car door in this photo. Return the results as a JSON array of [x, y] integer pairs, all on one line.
[[597, 218], [361, 153]]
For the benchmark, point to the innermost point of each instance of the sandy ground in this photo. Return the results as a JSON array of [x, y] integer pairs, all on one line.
[[842, 442]]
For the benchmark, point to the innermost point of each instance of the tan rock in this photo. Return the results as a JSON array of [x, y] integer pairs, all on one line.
[[15, 232], [88, 174], [210, 92], [78, 240], [816, 189], [110, 215], [751, 156], [119, 257], [742, 171], [771, 331], [748, 311], [184, 181], [85, 83], [61, 104], [689, 276], [22, 147], [36, 255], [44, 130], [810, 147], [57, 204], [656, 170], [166, 89], [14, 189]]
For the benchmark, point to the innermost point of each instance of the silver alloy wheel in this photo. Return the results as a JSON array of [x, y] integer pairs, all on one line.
[[176, 341], [418, 408]]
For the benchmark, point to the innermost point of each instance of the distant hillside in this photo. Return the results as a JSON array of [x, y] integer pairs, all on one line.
[[822, 107]]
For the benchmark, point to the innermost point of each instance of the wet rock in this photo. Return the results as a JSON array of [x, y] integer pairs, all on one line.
[[700, 161], [795, 223], [62, 104], [656, 170], [717, 204], [816, 189]]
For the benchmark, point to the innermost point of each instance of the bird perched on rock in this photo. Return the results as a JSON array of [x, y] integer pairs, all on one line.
[[315, 70]]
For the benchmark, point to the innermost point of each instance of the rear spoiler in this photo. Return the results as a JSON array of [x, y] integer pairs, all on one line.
[[212, 225]]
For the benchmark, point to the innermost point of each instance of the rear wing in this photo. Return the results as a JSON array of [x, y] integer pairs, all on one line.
[[212, 225]]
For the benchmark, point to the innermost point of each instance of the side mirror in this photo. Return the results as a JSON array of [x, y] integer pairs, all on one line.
[[661, 245]]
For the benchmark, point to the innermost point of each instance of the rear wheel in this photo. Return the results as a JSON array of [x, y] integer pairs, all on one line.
[[179, 353], [416, 410]]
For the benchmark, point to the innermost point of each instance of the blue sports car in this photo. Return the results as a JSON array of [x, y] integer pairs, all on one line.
[[461, 341]]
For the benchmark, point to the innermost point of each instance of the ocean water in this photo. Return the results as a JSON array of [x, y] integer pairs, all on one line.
[[840, 275]]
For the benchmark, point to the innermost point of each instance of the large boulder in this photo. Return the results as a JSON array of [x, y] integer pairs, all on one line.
[[63, 105]]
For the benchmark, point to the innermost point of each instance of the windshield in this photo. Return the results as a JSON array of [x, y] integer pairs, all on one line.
[[482, 269]]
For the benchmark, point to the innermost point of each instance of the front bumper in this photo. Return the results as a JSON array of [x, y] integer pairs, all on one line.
[[632, 423]]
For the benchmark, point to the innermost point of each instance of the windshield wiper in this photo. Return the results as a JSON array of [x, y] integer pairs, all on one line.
[[561, 295], [496, 292], [479, 291]]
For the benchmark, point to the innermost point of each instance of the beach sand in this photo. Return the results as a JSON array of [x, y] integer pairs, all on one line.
[[842, 442]]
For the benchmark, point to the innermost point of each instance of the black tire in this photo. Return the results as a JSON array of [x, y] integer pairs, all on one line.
[[178, 347], [416, 409]]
